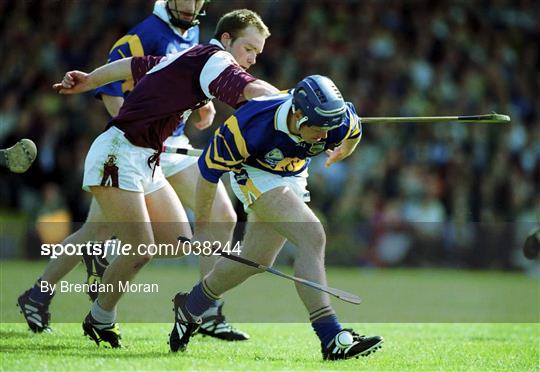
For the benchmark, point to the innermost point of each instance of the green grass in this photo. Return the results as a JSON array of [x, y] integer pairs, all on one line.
[[448, 347], [430, 319], [390, 296]]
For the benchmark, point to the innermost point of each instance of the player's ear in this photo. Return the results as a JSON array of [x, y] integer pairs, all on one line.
[[226, 39], [298, 114]]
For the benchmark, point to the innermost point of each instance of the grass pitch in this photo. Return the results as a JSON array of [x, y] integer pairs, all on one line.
[[427, 347], [430, 319]]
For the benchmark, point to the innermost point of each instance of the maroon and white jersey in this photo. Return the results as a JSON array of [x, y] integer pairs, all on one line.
[[167, 87]]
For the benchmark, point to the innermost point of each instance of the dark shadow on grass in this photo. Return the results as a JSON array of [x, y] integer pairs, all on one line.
[[123, 353], [41, 348], [14, 333], [91, 351], [485, 338], [88, 352]]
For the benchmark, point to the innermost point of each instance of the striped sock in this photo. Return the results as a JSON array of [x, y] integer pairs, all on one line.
[[200, 299], [325, 324], [43, 297]]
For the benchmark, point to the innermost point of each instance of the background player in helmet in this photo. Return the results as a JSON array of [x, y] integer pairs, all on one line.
[[267, 145]]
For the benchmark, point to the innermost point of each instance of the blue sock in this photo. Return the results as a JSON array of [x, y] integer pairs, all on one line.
[[37, 295], [199, 300], [326, 328]]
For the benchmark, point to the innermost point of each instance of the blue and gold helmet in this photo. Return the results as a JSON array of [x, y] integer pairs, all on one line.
[[320, 101]]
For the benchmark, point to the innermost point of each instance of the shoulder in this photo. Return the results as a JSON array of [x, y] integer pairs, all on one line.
[[352, 117], [217, 56], [150, 23], [258, 115], [214, 59], [142, 39], [262, 105], [152, 30], [351, 128]]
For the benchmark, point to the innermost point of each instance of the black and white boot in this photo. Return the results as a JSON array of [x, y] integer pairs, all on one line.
[[185, 324], [215, 325], [36, 314], [348, 344]]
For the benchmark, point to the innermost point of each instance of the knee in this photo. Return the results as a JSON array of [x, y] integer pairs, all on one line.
[[315, 239], [224, 212], [102, 231], [139, 261], [95, 229], [230, 216]]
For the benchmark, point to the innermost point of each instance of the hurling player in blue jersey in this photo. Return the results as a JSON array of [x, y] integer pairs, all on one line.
[[266, 146], [172, 27]]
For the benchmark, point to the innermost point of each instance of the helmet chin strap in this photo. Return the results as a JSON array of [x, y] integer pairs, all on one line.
[[299, 122], [180, 23]]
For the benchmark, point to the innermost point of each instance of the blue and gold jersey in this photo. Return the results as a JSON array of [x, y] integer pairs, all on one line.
[[257, 135], [151, 37]]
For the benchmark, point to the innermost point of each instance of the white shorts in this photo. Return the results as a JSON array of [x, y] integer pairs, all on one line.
[[174, 163], [251, 183], [113, 161]]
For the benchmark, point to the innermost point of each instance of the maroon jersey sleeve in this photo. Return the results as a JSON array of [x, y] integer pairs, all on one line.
[[230, 84], [141, 65]]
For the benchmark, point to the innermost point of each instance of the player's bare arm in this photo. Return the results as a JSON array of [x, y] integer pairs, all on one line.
[[258, 88], [342, 151], [75, 82], [112, 103], [207, 114]]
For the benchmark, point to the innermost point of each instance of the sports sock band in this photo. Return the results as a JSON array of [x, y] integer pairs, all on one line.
[[199, 300], [326, 328], [42, 296], [212, 311], [320, 313], [101, 315]]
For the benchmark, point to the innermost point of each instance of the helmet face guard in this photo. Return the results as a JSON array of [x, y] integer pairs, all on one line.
[[183, 24], [320, 102]]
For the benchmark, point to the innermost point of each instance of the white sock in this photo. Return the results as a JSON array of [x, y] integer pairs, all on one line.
[[102, 316]]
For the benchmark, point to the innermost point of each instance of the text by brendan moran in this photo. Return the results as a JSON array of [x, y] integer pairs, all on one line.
[[122, 286]]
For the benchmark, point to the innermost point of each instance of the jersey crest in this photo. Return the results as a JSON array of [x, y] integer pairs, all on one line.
[[110, 172], [273, 157]]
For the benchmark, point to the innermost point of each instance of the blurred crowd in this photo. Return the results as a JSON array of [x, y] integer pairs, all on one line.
[[459, 194]]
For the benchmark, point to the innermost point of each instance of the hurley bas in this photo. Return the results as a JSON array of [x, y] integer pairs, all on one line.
[[123, 286]]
